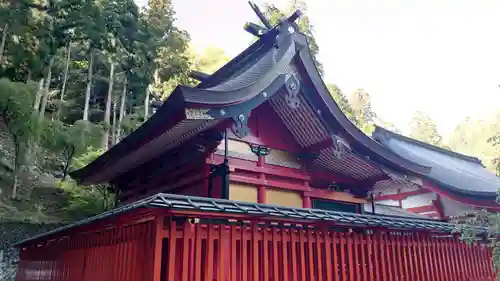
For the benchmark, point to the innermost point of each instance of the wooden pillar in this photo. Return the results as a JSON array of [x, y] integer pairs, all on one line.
[[261, 195], [158, 241], [307, 202]]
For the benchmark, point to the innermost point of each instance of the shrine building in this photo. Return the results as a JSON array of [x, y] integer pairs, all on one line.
[[256, 174]]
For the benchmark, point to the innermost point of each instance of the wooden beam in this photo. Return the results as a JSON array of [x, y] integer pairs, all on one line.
[[422, 209], [403, 195], [250, 166]]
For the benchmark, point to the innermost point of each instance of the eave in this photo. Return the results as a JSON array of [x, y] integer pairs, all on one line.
[[252, 78], [442, 183]]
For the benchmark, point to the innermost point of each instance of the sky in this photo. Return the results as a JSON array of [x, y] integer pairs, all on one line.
[[439, 56]]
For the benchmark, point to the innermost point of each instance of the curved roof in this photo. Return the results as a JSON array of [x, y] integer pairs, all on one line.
[[457, 173], [274, 65]]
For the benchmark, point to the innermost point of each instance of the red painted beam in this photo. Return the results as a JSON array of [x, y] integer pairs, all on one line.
[[402, 196], [250, 166], [422, 209], [271, 183]]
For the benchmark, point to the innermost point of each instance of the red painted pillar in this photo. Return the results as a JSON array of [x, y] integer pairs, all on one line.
[[307, 202], [157, 250], [261, 196]]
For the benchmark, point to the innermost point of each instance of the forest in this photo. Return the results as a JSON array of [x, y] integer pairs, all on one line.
[[77, 76]]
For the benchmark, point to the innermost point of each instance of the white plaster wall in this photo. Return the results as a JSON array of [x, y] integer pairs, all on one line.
[[388, 202], [454, 208], [418, 200]]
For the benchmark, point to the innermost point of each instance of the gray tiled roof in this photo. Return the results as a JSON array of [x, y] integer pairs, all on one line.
[[211, 205], [457, 172]]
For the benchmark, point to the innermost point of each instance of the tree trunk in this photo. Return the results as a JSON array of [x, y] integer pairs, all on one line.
[[14, 187], [17, 161], [2, 44], [113, 128], [146, 105], [89, 87], [63, 89], [107, 112], [46, 89], [38, 97], [122, 110], [68, 162]]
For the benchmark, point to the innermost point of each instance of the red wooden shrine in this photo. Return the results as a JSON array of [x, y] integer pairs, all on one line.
[[176, 244], [256, 174]]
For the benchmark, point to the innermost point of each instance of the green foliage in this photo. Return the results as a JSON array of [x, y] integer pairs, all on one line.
[[83, 202], [423, 128], [477, 137], [361, 105]]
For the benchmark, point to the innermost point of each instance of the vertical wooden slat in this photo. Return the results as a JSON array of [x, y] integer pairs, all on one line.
[[470, 256], [198, 262], [468, 261], [244, 264], [302, 249], [481, 258], [310, 254], [343, 263], [185, 251], [233, 265], [320, 256], [444, 256], [138, 234], [284, 249], [275, 260], [458, 259], [222, 252], [372, 257], [425, 256], [328, 256], [364, 255], [128, 253], [437, 260], [450, 272], [397, 259], [475, 259], [293, 248], [410, 254], [255, 252], [355, 247], [402, 252], [432, 260], [172, 242], [209, 262], [451, 263], [350, 256], [387, 263]]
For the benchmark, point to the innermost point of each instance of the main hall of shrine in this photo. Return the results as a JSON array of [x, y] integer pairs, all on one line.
[[257, 174]]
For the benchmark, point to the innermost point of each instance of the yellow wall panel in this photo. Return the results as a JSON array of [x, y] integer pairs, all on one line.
[[236, 146], [282, 197], [243, 192]]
